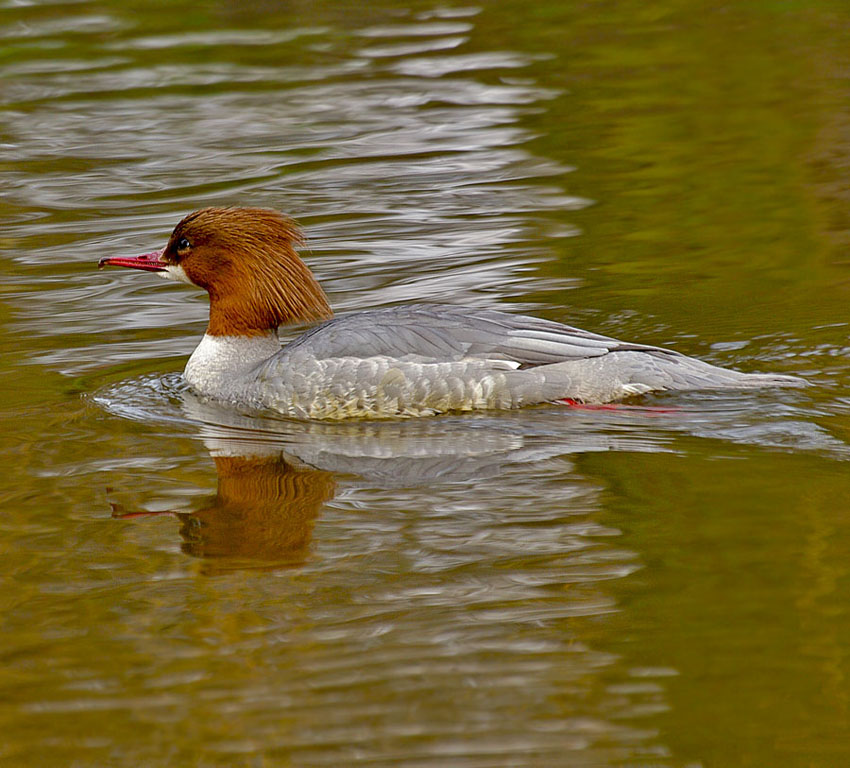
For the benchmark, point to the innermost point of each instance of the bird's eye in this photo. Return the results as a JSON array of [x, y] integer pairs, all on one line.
[[183, 244]]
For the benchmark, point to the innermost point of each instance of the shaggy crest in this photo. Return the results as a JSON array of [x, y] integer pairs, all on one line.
[[245, 259]]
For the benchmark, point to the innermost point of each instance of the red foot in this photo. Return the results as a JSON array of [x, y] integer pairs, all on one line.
[[648, 409]]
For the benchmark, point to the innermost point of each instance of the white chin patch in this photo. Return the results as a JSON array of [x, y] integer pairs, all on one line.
[[175, 272]]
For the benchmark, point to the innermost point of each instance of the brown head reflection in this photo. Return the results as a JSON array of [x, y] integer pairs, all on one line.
[[262, 515]]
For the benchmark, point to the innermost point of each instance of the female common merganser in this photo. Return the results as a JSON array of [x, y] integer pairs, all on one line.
[[414, 360]]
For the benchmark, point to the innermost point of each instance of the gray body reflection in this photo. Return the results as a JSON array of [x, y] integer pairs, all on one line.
[[274, 476]]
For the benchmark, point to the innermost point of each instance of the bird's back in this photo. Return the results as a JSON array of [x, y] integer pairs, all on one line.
[[422, 359]]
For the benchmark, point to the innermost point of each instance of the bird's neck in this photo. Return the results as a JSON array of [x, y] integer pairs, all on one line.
[[219, 365], [278, 292]]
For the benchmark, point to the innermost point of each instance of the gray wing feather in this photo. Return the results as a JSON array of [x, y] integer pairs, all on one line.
[[426, 358], [428, 331]]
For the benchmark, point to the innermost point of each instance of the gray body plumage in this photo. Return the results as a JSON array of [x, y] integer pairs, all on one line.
[[424, 359]]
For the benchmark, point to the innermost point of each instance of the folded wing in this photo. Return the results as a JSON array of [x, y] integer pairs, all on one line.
[[446, 333]]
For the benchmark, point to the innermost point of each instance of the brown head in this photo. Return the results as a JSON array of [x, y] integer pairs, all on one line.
[[246, 261]]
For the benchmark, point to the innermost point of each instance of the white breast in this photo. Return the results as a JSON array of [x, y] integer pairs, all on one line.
[[220, 364]]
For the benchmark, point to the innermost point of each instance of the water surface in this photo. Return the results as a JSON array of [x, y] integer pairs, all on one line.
[[184, 585]]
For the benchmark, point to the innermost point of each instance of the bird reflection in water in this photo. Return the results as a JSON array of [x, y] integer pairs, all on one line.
[[274, 476], [261, 516], [263, 512]]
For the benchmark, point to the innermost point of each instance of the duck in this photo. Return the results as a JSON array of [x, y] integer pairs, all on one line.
[[412, 360]]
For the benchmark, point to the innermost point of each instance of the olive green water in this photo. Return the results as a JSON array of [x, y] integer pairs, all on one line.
[[182, 585]]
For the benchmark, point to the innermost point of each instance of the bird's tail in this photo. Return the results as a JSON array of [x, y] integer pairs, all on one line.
[[622, 374]]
